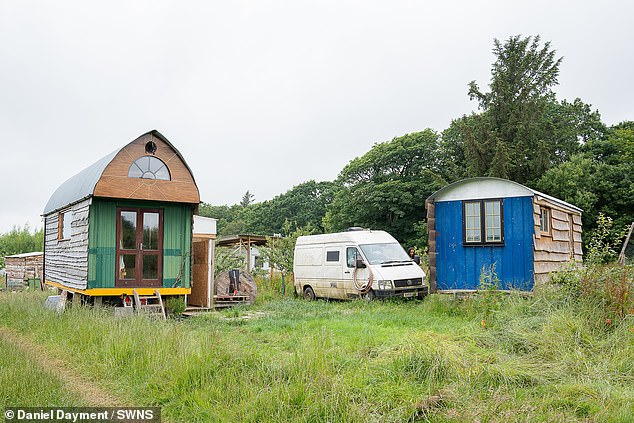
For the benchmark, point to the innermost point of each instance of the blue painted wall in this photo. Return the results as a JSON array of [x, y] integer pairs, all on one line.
[[459, 267]]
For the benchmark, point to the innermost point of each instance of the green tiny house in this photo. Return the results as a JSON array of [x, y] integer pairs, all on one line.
[[101, 242], [124, 223]]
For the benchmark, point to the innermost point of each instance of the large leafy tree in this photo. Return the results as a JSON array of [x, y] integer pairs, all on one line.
[[229, 222], [600, 179], [386, 188], [521, 130], [303, 205]]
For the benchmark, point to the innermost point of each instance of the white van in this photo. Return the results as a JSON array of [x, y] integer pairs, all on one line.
[[353, 264]]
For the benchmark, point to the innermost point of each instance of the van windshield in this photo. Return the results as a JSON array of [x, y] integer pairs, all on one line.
[[385, 253]]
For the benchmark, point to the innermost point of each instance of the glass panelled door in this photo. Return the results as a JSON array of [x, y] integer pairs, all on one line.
[[139, 247]]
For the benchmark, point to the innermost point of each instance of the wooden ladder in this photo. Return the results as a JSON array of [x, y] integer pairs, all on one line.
[[149, 304]]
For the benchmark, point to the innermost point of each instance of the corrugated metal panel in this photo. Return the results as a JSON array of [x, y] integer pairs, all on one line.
[[177, 226], [488, 187], [79, 186], [459, 267], [82, 185]]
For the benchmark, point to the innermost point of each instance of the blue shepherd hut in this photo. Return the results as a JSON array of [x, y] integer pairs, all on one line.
[[490, 223]]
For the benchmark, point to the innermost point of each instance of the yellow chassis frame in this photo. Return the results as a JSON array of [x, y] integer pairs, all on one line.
[[117, 292]]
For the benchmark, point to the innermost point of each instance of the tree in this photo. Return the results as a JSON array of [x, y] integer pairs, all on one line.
[[522, 130], [386, 188], [226, 259], [304, 204], [279, 252], [229, 222], [247, 199], [20, 240], [599, 179]]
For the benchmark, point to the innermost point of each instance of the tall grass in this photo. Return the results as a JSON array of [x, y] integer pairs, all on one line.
[[549, 357], [24, 384]]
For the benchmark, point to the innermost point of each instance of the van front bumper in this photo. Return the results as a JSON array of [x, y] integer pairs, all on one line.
[[402, 293]]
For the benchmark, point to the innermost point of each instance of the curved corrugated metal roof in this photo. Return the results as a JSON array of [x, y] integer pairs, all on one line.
[[461, 190], [82, 185], [78, 187]]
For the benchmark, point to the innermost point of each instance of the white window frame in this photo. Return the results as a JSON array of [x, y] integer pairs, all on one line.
[[476, 227], [64, 223]]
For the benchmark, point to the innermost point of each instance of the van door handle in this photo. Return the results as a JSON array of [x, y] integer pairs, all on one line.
[[347, 271]]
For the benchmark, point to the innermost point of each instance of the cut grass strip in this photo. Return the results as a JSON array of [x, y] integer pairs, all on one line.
[[23, 383], [88, 392]]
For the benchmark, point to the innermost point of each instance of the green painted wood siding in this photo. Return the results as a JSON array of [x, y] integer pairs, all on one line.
[[102, 240], [177, 231], [177, 241]]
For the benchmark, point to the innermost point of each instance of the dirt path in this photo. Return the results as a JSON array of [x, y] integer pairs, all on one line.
[[92, 394]]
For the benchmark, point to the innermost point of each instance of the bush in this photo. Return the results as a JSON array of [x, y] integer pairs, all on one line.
[[605, 241], [175, 305], [608, 287], [488, 300]]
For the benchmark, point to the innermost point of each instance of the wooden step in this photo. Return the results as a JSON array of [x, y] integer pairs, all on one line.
[[150, 304]]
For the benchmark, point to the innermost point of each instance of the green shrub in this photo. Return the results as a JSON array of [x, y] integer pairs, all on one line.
[[175, 305], [488, 297]]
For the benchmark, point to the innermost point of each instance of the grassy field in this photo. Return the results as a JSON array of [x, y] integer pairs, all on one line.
[[23, 384], [487, 358]]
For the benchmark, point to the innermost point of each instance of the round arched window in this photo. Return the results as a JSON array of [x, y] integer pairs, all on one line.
[[149, 167]]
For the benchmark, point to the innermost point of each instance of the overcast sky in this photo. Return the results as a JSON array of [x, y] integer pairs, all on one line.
[[263, 95]]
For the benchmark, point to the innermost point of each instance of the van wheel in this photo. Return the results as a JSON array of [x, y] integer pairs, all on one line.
[[369, 296], [423, 293], [309, 294]]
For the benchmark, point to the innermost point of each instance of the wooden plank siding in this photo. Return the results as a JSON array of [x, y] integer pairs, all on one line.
[[554, 250], [66, 260], [459, 265], [115, 183], [23, 268]]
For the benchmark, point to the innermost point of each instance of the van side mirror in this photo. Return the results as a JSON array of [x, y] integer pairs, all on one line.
[[417, 259], [360, 264]]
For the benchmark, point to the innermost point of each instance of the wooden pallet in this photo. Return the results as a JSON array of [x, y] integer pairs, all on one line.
[[222, 301]]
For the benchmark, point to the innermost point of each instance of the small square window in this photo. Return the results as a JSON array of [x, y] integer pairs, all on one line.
[[483, 222], [64, 222], [352, 254], [332, 255], [493, 221], [544, 221], [472, 221]]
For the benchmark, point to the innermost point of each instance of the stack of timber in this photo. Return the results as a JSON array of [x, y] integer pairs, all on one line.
[[561, 244], [22, 267], [245, 294]]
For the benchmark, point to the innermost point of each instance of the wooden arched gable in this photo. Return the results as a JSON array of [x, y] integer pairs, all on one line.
[[115, 181]]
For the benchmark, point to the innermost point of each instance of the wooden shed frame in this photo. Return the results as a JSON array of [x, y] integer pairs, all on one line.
[[556, 234]]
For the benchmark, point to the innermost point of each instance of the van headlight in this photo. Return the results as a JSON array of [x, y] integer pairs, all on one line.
[[385, 284]]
